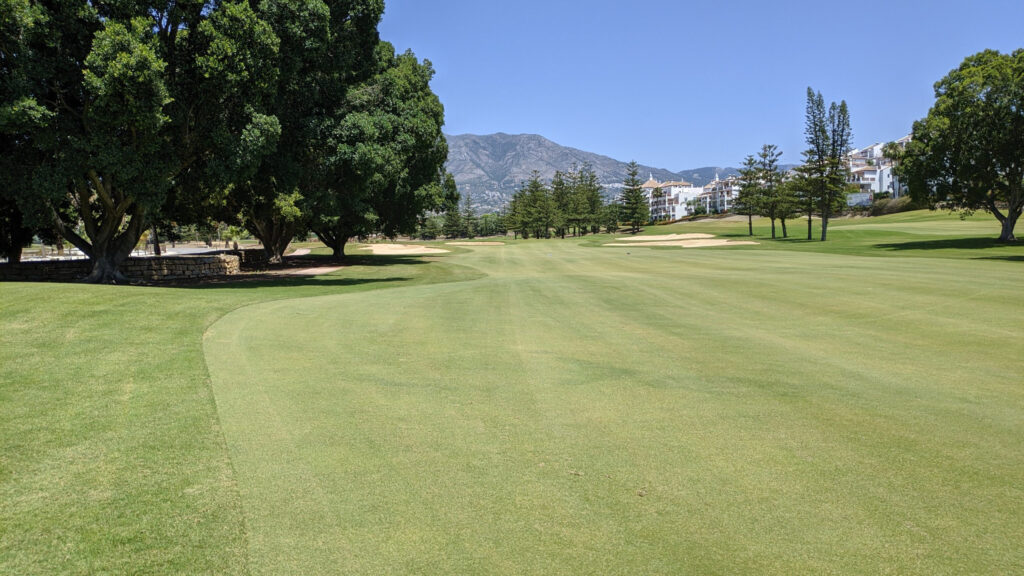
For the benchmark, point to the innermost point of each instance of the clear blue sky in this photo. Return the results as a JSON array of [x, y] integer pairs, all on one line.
[[688, 84]]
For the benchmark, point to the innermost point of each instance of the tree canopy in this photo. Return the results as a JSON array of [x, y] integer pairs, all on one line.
[[634, 207], [967, 154], [279, 115], [824, 171]]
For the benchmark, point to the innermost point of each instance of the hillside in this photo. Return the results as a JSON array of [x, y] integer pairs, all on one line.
[[492, 167]]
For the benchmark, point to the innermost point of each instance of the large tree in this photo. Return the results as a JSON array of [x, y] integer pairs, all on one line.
[[113, 110], [828, 136], [378, 157], [968, 153], [751, 191], [326, 49], [635, 207], [775, 201]]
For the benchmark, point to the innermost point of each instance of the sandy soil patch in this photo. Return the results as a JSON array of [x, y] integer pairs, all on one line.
[[300, 252], [307, 271], [689, 243], [475, 243], [664, 237], [402, 249]]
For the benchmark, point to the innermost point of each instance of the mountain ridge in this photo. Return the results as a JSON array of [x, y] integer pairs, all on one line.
[[491, 167]]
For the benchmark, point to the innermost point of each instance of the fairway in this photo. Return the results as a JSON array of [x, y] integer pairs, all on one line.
[[540, 406], [578, 409]]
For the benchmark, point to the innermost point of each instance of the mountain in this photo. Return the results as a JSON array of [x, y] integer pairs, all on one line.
[[492, 167]]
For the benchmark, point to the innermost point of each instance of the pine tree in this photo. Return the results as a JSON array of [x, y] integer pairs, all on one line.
[[828, 138], [635, 207], [771, 200], [751, 191]]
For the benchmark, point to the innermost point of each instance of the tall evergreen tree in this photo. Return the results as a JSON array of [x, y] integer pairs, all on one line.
[[588, 203], [772, 200], [751, 193], [636, 209], [561, 193], [469, 218], [828, 137]]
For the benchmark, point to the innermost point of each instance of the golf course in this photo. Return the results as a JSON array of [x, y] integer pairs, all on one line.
[[592, 405]]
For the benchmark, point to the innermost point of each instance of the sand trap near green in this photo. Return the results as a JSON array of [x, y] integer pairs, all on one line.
[[400, 249], [664, 237], [580, 411], [687, 243]]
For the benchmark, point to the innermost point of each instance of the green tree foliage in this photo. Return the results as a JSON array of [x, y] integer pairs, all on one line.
[[788, 200], [470, 222], [828, 136], [20, 113], [383, 153], [561, 194], [635, 208], [967, 154], [532, 210], [610, 216], [453, 226], [751, 194], [325, 50], [774, 200], [114, 106], [491, 224], [893, 152]]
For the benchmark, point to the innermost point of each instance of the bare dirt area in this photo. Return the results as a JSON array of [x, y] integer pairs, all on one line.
[[664, 237], [475, 243], [401, 249]]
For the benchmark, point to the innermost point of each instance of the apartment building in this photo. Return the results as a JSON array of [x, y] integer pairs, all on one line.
[[720, 194], [675, 200], [873, 173]]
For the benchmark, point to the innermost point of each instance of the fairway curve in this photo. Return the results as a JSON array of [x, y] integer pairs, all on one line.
[[547, 418]]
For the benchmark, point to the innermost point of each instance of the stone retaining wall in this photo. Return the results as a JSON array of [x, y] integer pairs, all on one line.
[[149, 269]]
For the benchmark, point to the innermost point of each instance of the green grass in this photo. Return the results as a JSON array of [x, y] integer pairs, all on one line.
[[543, 407]]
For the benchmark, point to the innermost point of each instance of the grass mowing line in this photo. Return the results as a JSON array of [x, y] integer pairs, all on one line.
[[430, 458], [111, 460]]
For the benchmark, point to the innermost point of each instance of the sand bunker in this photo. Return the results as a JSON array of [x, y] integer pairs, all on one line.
[[401, 249], [307, 271], [696, 243], [664, 237], [475, 243]]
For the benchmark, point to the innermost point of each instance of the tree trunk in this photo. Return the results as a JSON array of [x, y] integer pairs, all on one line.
[[810, 234], [105, 270], [773, 228], [14, 256], [113, 232], [824, 223], [274, 234], [156, 242], [1008, 223], [784, 233], [750, 224]]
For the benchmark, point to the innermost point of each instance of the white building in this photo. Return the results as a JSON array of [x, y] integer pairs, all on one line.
[[720, 195], [675, 201], [872, 172]]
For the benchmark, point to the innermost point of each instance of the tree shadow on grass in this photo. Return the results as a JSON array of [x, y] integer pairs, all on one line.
[[313, 260], [262, 281], [278, 276], [956, 244]]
